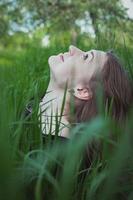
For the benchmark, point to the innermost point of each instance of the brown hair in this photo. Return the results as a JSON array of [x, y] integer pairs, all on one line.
[[116, 88], [117, 93]]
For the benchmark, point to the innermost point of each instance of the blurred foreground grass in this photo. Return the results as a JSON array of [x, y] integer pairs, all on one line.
[[28, 166]]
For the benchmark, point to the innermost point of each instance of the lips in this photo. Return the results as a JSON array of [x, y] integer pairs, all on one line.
[[62, 57]]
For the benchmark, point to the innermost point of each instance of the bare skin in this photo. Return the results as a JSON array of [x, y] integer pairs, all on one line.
[[74, 68]]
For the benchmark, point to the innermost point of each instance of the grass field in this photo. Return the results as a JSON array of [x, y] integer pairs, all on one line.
[[31, 166]]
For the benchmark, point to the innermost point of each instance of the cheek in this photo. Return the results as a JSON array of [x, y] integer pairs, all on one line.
[[89, 70], [72, 70], [83, 72]]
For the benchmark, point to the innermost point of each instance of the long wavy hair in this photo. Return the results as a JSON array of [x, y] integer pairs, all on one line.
[[117, 93], [117, 96]]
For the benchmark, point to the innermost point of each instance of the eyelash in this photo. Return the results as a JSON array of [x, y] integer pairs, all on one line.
[[85, 56]]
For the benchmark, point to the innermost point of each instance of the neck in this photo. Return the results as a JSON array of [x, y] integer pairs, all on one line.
[[55, 93], [52, 103]]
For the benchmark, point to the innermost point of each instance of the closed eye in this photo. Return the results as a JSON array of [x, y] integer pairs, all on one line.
[[92, 55], [87, 56]]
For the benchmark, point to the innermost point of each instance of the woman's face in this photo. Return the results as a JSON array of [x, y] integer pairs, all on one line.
[[76, 66]]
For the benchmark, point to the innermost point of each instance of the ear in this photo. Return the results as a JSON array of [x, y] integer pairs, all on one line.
[[82, 92]]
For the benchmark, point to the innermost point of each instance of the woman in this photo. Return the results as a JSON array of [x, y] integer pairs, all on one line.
[[79, 74]]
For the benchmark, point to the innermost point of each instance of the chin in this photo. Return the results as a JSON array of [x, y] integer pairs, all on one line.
[[54, 61], [51, 60]]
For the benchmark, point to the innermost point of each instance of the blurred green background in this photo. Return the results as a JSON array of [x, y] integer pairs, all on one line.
[[31, 31]]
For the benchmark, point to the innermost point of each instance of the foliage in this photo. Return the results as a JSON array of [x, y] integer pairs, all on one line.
[[33, 168], [63, 14], [36, 167]]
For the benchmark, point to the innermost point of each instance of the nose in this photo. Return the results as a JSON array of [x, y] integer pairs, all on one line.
[[74, 50]]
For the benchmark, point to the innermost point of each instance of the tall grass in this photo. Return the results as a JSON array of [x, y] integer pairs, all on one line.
[[36, 167]]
